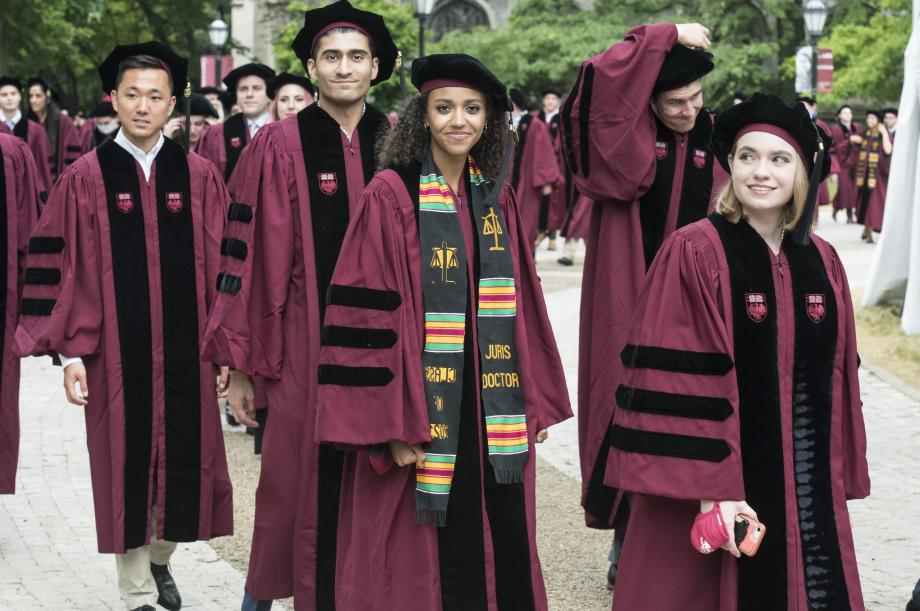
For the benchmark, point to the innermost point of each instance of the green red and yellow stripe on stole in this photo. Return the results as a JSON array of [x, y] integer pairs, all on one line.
[[436, 475], [497, 297], [434, 195], [444, 332], [506, 434]]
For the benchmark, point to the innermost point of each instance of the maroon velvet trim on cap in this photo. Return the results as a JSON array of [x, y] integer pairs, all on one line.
[[779, 132], [332, 26], [444, 82]]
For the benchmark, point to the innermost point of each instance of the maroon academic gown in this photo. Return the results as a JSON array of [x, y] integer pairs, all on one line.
[[20, 187], [824, 194], [741, 384], [69, 145], [578, 221], [847, 156], [223, 143], [645, 181], [295, 189], [871, 209], [128, 272], [486, 556], [535, 166], [32, 133], [559, 200]]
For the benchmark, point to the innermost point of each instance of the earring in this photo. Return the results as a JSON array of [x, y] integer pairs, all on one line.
[[485, 128], [426, 126]]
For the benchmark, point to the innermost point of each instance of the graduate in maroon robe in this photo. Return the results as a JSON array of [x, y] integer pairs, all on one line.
[[66, 144], [125, 258], [637, 139], [553, 205], [290, 94], [741, 392], [824, 194], [872, 166], [102, 125], [845, 132], [535, 170], [20, 188], [14, 121], [223, 143], [439, 365], [295, 189]]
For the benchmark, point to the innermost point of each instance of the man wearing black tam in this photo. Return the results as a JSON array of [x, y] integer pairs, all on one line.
[[123, 267], [222, 143], [636, 138], [294, 190]]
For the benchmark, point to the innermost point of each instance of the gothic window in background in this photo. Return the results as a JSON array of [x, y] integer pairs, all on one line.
[[456, 15]]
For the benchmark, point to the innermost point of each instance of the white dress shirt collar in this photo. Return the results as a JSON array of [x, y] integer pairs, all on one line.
[[550, 115], [255, 124], [11, 123], [145, 159]]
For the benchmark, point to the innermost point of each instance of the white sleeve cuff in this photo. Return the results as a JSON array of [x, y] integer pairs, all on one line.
[[66, 360]]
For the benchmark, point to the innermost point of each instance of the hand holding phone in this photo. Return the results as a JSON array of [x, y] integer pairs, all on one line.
[[749, 534]]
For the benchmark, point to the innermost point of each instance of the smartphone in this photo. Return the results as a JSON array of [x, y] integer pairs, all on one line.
[[748, 534]]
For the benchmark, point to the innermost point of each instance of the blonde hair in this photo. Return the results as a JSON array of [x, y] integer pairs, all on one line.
[[729, 205]]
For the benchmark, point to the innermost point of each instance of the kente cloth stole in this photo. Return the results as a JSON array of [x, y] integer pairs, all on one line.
[[445, 295], [867, 168]]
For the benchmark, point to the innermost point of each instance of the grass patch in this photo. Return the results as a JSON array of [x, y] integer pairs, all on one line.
[[882, 341]]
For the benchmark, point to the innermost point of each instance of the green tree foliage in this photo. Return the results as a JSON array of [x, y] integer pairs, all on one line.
[[66, 39], [400, 21]]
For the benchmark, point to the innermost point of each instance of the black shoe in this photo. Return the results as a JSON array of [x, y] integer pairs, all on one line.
[[228, 414], [564, 261], [912, 607], [166, 588], [611, 576], [144, 608]]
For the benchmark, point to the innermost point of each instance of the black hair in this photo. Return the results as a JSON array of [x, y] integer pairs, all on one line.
[[142, 62], [407, 142], [342, 30]]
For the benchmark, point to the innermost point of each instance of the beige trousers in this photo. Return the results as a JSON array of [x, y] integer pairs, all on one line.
[[135, 581], [570, 247]]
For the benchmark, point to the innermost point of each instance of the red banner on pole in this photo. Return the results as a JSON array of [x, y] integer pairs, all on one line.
[[207, 69], [825, 70]]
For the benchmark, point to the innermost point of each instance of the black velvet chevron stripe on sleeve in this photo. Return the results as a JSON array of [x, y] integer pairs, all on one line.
[[342, 375], [676, 361], [239, 212], [672, 404], [668, 444], [228, 283], [46, 245], [42, 275], [358, 337], [37, 307], [231, 247], [361, 297]]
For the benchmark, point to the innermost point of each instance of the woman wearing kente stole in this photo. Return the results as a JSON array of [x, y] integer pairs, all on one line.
[[439, 365]]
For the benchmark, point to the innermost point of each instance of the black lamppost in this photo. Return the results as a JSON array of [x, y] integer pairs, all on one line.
[[815, 12], [218, 32], [423, 10]]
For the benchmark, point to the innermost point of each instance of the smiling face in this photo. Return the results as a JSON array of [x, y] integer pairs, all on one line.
[[343, 67], [679, 108], [10, 97], [38, 99], [891, 120], [763, 172], [291, 99], [252, 96], [456, 117], [550, 102], [143, 101], [871, 121], [845, 114]]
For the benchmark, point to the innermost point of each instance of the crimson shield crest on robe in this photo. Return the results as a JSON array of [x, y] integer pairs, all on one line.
[[699, 158], [174, 202], [328, 183], [814, 306], [756, 306], [124, 202], [661, 150], [235, 142]]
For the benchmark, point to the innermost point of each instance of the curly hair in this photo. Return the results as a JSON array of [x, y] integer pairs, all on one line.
[[407, 142]]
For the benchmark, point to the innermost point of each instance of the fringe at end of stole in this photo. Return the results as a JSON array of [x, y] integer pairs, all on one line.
[[508, 476], [431, 517]]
